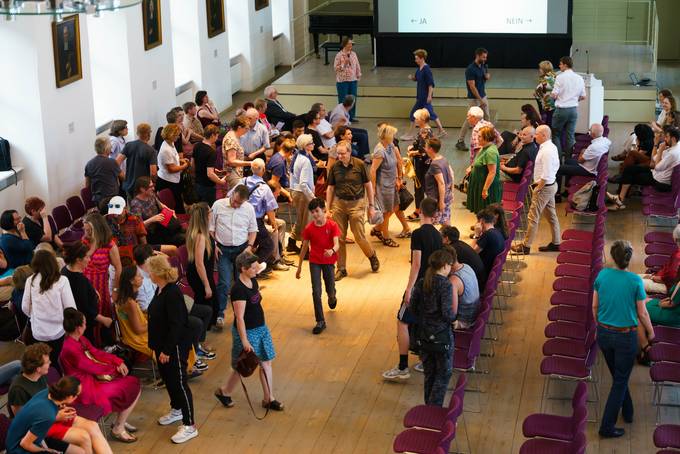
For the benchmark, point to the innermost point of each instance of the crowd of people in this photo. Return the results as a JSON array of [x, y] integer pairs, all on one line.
[[204, 205]]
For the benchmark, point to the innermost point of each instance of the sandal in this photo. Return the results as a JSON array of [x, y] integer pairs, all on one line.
[[273, 405], [405, 234], [643, 356], [413, 217], [130, 428], [124, 437], [349, 240], [389, 242], [378, 234]]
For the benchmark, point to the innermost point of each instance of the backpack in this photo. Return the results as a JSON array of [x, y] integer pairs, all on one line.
[[5, 158], [581, 198]]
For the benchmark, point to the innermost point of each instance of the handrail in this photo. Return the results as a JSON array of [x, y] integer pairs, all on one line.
[[307, 42]]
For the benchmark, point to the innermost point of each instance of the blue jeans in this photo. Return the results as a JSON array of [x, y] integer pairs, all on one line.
[[619, 351], [348, 88], [437, 368], [225, 273], [316, 270], [8, 371], [360, 137], [564, 122]]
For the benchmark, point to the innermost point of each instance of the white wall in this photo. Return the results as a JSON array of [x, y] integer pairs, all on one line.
[[109, 66], [238, 26], [184, 19], [282, 11], [51, 129], [213, 55], [261, 59]]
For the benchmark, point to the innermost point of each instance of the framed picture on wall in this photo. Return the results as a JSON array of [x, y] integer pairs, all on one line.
[[215, 13], [66, 44], [151, 18], [261, 4]]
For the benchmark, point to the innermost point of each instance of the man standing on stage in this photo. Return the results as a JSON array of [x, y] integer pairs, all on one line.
[[424, 91], [476, 75], [569, 89]]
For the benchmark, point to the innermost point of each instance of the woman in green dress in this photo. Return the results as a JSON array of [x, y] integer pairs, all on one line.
[[485, 187], [666, 311]]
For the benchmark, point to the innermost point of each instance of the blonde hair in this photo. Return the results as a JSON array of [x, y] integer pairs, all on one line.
[[545, 66], [171, 132], [422, 115], [386, 132], [160, 267], [198, 225], [422, 53]]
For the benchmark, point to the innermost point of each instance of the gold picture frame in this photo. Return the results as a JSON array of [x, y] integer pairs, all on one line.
[[151, 20], [215, 17], [66, 45]]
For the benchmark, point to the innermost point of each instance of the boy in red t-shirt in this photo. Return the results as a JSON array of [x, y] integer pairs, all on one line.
[[322, 238]]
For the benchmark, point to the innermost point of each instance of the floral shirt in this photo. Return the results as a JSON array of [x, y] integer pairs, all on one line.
[[144, 208], [474, 139], [347, 68], [230, 142], [545, 86]]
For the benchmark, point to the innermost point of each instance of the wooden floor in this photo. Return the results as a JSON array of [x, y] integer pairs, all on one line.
[[336, 400]]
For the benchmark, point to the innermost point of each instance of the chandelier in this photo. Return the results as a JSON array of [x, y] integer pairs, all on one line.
[[12, 8]]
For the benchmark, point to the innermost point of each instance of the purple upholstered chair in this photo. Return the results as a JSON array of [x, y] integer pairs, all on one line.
[[75, 207], [571, 299], [660, 249], [662, 351], [659, 237], [86, 195], [425, 441], [667, 436], [667, 334], [663, 374], [434, 417], [544, 445], [654, 262], [560, 427], [572, 348], [62, 217], [567, 330], [568, 314]]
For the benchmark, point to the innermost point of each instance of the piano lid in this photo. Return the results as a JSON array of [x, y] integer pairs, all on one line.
[[344, 9]]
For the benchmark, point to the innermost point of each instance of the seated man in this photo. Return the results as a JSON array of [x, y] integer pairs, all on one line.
[[340, 116], [586, 163], [276, 113], [278, 233], [465, 253], [70, 433], [512, 169]]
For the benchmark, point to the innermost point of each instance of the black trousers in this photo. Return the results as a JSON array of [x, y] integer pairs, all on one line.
[[317, 270], [176, 189], [265, 245], [201, 315], [642, 176], [174, 374], [421, 167], [206, 194]]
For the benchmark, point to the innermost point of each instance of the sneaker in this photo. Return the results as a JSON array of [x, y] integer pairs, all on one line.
[[194, 374], [339, 274], [320, 326], [173, 416], [520, 249], [550, 247], [205, 354], [220, 323], [200, 365], [375, 263], [224, 400], [184, 433], [396, 374], [460, 146], [332, 302], [419, 367], [279, 266], [287, 261]]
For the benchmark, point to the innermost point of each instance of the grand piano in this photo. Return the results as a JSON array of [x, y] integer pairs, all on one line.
[[342, 19]]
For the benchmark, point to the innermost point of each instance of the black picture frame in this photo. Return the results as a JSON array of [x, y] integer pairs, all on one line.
[[66, 45], [215, 17], [151, 21], [261, 4]]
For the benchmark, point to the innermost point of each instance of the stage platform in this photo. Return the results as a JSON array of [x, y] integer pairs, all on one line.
[[387, 92]]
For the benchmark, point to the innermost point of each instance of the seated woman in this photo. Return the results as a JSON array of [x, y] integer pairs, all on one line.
[[104, 377], [70, 433], [6, 273], [637, 150], [32, 424], [666, 311], [207, 112], [153, 212], [668, 105], [666, 277], [36, 224], [665, 156]]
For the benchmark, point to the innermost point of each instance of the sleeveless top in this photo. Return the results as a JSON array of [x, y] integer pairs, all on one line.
[[138, 342], [468, 302]]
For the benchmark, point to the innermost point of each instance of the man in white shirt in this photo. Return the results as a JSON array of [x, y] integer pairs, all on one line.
[[324, 128], [586, 163], [569, 89], [234, 228], [546, 165]]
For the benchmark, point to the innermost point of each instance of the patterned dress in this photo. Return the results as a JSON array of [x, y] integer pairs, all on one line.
[[234, 174], [97, 272]]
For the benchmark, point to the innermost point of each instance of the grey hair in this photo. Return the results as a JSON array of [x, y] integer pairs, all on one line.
[[269, 90], [622, 251]]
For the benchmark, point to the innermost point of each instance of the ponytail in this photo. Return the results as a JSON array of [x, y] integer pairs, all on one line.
[[438, 260]]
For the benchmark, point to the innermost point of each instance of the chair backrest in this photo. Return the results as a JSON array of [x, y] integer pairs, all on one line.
[[53, 224], [579, 418], [459, 390], [580, 395], [53, 375], [4, 428], [578, 445], [476, 341], [447, 434], [62, 217], [183, 260], [86, 195], [166, 198], [76, 207]]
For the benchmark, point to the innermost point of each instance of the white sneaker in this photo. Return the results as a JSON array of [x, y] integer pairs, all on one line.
[[173, 416], [396, 374], [184, 433], [419, 367], [220, 322]]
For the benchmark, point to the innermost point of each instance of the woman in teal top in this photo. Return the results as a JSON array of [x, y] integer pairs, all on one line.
[[618, 304], [666, 311], [485, 187]]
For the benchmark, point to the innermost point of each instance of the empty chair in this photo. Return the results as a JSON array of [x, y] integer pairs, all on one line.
[[76, 207], [545, 446], [86, 196], [559, 427], [434, 417], [425, 441], [62, 217], [667, 436]]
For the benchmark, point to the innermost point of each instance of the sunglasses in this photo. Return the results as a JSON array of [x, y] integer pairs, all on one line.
[[116, 205]]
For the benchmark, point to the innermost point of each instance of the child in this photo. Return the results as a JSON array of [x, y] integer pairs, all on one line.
[[322, 238]]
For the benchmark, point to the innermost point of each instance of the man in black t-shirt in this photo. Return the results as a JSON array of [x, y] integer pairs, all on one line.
[[424, 241], [465, 253], [103, 174], [513, 168], [139, 157], [204, 158], [491, 242]]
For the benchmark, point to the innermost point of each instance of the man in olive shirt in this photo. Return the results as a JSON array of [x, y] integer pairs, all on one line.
[[348, 185]]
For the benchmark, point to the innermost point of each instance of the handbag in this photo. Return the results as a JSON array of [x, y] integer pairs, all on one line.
[[409, 168], [405, 198]]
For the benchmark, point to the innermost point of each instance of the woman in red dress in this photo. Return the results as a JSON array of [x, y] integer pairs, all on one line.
[[103, 252], [103, 376]]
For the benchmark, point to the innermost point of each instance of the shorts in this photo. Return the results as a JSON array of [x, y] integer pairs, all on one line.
[[59, 429], [405, 315]]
